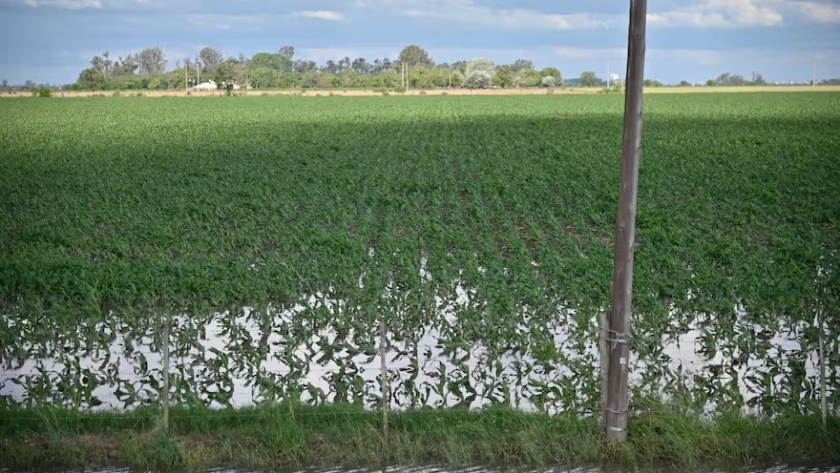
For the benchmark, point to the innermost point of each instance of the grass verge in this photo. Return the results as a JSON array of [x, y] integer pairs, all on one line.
[[283, 436]]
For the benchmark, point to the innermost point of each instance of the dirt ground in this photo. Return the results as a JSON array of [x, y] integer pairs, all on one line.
[[369, 93]]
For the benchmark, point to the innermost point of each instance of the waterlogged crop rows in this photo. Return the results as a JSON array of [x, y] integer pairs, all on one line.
[[478, 230]]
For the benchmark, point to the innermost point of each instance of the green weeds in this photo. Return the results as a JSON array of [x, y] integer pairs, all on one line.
[[327, 436]]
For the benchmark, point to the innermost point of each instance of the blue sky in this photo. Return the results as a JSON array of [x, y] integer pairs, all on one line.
[[50, 41]]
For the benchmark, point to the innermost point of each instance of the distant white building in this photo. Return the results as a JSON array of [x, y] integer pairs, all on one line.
[[210, 85]]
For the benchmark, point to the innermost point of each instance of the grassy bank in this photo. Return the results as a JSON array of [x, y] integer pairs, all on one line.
[[286, 437]]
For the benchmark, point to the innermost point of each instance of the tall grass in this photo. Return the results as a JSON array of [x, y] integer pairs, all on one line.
[[284, 436]]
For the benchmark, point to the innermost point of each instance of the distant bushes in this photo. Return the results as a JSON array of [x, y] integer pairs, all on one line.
[[44, 92]]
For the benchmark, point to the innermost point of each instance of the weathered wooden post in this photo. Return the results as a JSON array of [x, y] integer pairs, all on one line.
[[625, 228]]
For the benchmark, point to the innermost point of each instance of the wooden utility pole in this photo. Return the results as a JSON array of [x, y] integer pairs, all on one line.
[[625, 228]]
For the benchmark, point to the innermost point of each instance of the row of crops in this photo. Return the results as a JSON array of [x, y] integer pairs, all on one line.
[[266, 241]]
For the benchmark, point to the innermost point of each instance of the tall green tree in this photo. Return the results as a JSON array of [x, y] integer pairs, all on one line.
[[91, 79], [210, 58], [229, 71], [275, 62], [589, 79], [522, 65], [505, 77], [414, 55], [152, 60]]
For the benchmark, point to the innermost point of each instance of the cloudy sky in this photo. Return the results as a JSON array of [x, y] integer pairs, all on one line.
[[50, 41]]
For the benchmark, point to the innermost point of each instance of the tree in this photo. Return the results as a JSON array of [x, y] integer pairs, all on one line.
[[304, 66], [480, 72], [210, 58], [347, 78], [125, 66], [684, 83], [589, 79], [529, 78], [152, 60], [730, 79], [5, 84], [549, 81], [344, 64], [505, 77], [331, 67], [552, 72], [360, 66], [287, 52], [228, 73], [29, 84], [758, 79], [262, 77], [413, 55], [91, 79], [310, 79], [98, 63], [710, 83], [456, 78], [275, 62], [522, 65]]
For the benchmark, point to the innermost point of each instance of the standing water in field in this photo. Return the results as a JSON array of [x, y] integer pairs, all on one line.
[[241, 359]]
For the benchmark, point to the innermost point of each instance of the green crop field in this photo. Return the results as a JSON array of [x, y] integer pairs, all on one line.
[[118, 212], [125, 219]]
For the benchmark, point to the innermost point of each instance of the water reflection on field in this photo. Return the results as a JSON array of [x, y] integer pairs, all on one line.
[[423, 362]]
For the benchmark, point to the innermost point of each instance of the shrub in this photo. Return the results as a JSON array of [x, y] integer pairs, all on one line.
[[44, 92], [399, 90], [116, 93]]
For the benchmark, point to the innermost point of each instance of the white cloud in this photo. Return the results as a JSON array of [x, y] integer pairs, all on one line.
[[68, 4], [468, 11], [96, 4], [819, 12], [320, 14], [720, 14]]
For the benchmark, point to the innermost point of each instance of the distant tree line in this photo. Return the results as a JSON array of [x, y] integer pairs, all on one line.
[[413, 68]]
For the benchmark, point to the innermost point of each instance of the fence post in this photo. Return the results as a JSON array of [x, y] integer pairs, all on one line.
[[165, 394], [823, 400], [385, 391], [603, 330]]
